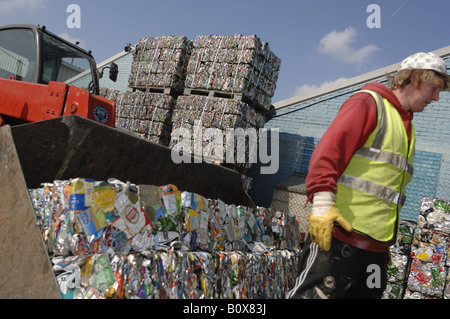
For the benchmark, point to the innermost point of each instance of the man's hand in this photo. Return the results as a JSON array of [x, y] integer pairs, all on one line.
[[324, 215]]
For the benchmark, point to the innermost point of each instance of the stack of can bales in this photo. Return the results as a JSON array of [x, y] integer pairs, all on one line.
[[235, 64], [230, 81], [146, 114], [215, 82], [160, 62], [157, 77]]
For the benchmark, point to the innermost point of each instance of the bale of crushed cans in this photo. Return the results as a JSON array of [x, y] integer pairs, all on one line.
[[421, 269], [224, 82], [428, 276], [398, 269], [198, 113], [146, 114], [169, 274], [237, 64], [119, 240], [160, 62]]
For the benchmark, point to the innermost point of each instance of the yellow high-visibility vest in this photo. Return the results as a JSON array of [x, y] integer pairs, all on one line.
[[371, 191]]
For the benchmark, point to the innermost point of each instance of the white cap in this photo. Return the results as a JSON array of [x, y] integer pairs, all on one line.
[[426, 61]]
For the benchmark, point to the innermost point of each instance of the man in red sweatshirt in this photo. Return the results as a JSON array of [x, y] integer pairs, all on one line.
[[356, 183]]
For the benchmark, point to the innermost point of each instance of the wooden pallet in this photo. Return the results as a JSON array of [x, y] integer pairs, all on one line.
[[223, 94], [213, 93], [154, 89]]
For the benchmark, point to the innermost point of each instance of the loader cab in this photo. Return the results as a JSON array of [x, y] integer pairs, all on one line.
[[32, 54]]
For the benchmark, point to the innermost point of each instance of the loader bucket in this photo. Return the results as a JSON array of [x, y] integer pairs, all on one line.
[[72, 146], [25, 268]]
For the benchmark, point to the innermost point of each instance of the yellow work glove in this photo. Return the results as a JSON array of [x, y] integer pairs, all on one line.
[[324, 215]]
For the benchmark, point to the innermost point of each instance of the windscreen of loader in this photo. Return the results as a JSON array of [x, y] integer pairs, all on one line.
[[63, 63], [17, 55]]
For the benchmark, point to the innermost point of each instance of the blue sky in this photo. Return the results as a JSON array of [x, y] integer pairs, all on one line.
[[318, 41]]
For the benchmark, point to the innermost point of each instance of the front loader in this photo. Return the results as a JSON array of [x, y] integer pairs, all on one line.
[[56, 131]]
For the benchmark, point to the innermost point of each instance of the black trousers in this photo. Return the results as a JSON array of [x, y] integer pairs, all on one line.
[[344, 272]]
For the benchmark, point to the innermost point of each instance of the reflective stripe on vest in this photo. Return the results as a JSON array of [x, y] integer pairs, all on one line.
[[373, 189], [370, 191]]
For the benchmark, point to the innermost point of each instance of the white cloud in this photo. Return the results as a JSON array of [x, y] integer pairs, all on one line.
[[311, 87], [340, 45], [7, 6], [72, 39]]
